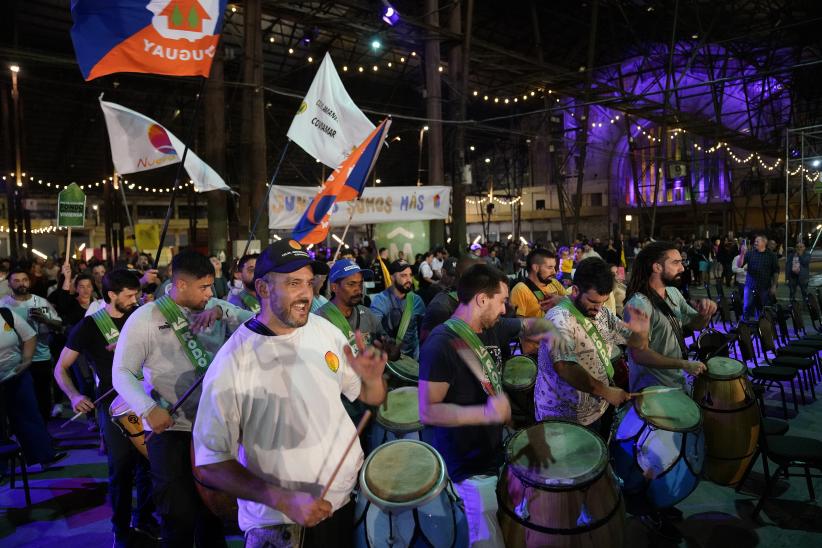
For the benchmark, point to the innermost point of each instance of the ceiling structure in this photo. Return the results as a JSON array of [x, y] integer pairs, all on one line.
[[524, 55]]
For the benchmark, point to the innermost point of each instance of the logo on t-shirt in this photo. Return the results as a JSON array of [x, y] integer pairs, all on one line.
[[332, 361]]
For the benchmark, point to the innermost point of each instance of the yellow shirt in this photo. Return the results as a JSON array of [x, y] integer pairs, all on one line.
[[526, 303]]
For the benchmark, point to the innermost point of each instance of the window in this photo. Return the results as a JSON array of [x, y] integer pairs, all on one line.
[[596, 199], [540, 204]]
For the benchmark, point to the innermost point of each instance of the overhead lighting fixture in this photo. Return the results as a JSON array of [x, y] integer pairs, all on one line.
[[376, 44], [488, 160], [477, 239], [629, 218], [378, 181], [39, 254], [15, 68], [523, 240], [425, 128], [276, 237], [82, 246], [815, 163], [390, 15], [472, 148]]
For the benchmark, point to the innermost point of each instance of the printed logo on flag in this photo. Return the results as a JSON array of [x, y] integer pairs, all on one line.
[[158, 138]]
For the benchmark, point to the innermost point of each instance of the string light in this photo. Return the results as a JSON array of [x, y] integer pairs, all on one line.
[[500, 201], [102, 182]]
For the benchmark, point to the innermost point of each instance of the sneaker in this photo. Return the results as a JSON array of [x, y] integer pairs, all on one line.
[[661, 527], [44, 466]]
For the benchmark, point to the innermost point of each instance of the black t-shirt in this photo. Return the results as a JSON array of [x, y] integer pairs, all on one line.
[[86, 339], [467, 450]]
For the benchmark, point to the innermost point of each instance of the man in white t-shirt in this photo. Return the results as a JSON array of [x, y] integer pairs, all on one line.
[[271, 427]]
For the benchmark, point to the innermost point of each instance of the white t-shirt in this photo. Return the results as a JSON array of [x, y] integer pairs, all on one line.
[[273, 404], [96, 304], [425, 271], [10, 356], [21, 308]]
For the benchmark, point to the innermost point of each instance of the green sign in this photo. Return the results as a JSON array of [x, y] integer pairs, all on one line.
[[410, 237], [71, 207]]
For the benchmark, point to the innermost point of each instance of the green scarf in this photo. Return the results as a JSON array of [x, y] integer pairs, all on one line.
[[493, 385], [336, 317], [593, 334], [106, 326], [405, 319], [250, 302], [199, 357]]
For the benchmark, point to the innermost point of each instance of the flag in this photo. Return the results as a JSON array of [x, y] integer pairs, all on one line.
[[138, 143], [386, 275], [344, 184], [173, 37], [328, 125]]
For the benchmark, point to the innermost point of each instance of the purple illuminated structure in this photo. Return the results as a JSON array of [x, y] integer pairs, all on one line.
[[635, 154]]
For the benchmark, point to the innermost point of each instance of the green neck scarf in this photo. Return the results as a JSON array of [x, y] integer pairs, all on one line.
[[106, 326], [405, 319], [199, 357], [493, 384], [249, 301], [593, 334]]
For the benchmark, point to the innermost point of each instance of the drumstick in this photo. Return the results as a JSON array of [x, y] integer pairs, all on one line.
[[360, 427], [653, 391], [469, 357], [181, 401], [77, 416]]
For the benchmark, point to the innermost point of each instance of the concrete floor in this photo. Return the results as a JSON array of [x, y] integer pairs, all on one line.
[[70, 509]]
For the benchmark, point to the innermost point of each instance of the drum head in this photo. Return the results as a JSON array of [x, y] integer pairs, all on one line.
[[403, 472], [405, 368], [556, 454], [673, 411], [402, 411], [118, 407], [725, 368], [519, 372]]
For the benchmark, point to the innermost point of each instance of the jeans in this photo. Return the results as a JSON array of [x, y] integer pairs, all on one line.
[[126, 468], [336, 531], [755, 300], [183, 516], [20, 405], [43, 375]]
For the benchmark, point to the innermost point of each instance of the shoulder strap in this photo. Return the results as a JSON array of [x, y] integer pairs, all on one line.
[[8, 315], [195, 352], [662, 305], [336, 317], [491, 384], [106, 326], [250, 302], [538, 293], [593, 334], [405, 320]]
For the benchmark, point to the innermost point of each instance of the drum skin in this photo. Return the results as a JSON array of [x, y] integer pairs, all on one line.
[[403, 372], [129, 423], [519, 375], [397, 418], [590, 513], [731, 423], [219, 503]]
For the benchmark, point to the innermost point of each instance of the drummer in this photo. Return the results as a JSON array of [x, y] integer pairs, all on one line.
[[400, 309], [96, 337], [657, 271], [462, 403], [247, 297], [151, 347], [271, 428]]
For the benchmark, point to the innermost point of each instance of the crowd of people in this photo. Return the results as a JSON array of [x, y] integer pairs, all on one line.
[[280, 336]]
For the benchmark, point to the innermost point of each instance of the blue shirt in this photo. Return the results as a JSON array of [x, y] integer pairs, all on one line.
[[388, 309]]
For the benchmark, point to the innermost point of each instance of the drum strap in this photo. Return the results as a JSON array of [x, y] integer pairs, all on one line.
[[106, 326], [493, 384], [336, 317], [199, 357], [593, 334], [405, 319], [538, 293], [248, 300], [662, 305]]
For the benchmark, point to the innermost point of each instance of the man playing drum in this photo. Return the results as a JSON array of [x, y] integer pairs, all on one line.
[[576, 383], [460, 393], [400, 310], [657, 270], [271, 428], [158, 344], [96, 337]]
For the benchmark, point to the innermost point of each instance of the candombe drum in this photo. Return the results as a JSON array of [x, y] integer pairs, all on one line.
[[658, 447], [731, 419], [557, 489], [219, 503], [129, 423], [405, 499], [519, 374], [404, 372], [397, 418]]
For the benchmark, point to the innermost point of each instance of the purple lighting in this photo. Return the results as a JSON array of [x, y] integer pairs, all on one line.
[[390, 15]]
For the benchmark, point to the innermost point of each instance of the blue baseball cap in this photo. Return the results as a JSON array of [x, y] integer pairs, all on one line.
[[345, 268]]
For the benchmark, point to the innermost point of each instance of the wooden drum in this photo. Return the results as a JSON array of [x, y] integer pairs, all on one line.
[[557, 489], [730, 417], [219, 503], [129, 423], [519, 375]]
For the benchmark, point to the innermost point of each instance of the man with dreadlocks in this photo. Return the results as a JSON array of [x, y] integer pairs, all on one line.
[[657, 270]]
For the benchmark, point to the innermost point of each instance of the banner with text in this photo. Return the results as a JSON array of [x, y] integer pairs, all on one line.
[[377, 205]]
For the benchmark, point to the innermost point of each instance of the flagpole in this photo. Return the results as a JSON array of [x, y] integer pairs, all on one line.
[[125, 205], [264, 204], [348, 224], [180, 168]]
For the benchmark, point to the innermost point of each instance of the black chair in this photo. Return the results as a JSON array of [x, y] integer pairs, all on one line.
[[797, 319], [802, 358], [813, 311], [767, 427], [768, 375], [11, 452], [790, 452], [712, 343]]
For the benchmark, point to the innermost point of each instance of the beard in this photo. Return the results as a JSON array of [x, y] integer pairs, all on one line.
[[405, 288], [353, 300], [22, 290], [544, 281], [671, 281], [286, 314], [124, 308], [587, 312]]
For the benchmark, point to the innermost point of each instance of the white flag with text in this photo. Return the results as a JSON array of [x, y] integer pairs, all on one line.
[[328, 125], [138, 143]]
